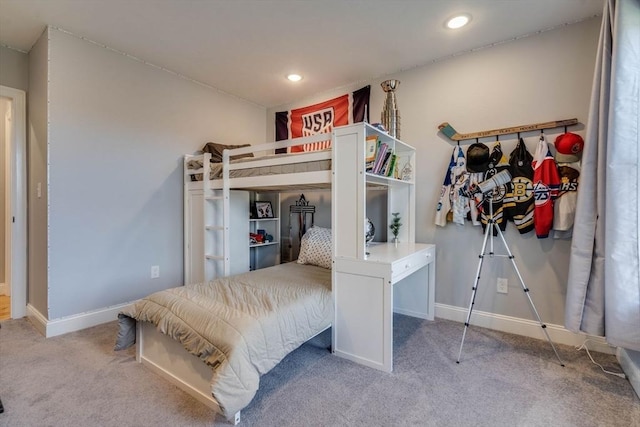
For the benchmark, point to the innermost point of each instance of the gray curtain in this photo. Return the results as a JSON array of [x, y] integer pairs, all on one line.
[[603, 290]]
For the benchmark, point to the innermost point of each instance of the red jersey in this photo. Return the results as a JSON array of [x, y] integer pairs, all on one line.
[[546, 183]]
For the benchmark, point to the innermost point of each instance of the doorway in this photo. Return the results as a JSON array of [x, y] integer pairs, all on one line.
[[13, 201]]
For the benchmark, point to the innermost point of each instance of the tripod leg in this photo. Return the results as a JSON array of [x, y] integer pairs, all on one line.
[[526, 292], [475, 288]]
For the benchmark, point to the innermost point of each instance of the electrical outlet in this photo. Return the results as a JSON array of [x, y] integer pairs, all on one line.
[[155, 271], [503, 285]]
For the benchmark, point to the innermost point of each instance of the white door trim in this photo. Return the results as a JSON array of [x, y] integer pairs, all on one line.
[[17, 236]]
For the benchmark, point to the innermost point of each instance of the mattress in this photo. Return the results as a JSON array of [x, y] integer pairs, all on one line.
[[242, 325], [216, 168]]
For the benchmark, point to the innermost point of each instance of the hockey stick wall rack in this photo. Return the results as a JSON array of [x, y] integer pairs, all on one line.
[[452, 134]]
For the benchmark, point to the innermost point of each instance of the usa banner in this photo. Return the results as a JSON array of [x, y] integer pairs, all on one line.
[[322, 118]]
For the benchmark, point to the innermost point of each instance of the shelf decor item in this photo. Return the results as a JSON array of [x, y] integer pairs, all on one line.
[[395, 226], [407, 172], [369, 230], [299, 213], [263, 210], [390, 112]]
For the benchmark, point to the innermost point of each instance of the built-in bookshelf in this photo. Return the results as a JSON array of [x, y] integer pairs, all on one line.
[[264, 230], [381, 160], [386, 156]]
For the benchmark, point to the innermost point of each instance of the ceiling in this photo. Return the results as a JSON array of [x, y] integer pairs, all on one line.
[[246, 47]]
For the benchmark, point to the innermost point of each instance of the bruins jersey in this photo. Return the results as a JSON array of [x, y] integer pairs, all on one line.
[[520, 199]]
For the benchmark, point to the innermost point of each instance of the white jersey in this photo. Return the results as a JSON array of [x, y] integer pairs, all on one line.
[[459, 179], [565, 205], [444, 202]]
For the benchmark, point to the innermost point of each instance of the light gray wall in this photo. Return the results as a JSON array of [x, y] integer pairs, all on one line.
[[118, 131], [14, 68], [536, 79], [37, 173], [4, 108]]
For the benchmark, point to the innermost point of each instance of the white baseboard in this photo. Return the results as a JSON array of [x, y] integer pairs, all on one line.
[[76, 322], [631, 367], [514, 325], [524, 327], [5, 289]]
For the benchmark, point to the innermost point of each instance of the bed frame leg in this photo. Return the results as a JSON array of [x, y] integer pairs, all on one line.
[[236, 418]]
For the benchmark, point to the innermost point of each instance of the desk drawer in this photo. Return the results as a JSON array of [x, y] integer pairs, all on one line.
[[408, 265]]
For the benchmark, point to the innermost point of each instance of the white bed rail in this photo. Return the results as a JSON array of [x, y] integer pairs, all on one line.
[[285, 143], [314, 178]]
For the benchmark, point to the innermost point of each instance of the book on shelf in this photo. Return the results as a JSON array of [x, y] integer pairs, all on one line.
[[386, 167], [383, 160], [391, 165], [383, 152], [381, 147]]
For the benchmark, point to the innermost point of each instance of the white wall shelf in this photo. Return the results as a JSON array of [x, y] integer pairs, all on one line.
[[258, 245], [268, 253]]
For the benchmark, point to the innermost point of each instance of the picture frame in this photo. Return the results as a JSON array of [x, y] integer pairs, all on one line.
[[263, 210], [371, 148]]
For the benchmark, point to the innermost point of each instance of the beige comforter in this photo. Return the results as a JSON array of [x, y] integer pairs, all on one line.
[[243, 325]]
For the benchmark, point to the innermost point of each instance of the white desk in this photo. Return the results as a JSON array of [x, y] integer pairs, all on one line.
[[367, 292]]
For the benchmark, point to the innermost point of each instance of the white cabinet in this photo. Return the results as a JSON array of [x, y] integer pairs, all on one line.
[[371, 282], [200, 266], [265, 221]]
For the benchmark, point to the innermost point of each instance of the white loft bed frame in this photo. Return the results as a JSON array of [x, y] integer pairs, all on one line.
[[167, 357], [218, 190]]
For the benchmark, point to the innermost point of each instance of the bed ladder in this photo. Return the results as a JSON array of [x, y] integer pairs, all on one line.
[[215, 233]]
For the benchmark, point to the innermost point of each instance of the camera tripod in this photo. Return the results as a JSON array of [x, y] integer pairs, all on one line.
[[492, 225]]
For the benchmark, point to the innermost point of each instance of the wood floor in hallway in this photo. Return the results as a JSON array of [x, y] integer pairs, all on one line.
[[5, 307]]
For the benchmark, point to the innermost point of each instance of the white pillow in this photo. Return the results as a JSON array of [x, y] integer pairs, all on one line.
[[315, 247]]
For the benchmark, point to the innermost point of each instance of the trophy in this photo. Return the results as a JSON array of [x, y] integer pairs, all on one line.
[[390, 113]]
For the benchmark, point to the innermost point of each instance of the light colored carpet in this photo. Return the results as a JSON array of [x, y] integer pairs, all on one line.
[[502, 380]]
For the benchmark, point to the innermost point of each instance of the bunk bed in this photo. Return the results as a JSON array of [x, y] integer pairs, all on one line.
[[343, 171], [216, 207]]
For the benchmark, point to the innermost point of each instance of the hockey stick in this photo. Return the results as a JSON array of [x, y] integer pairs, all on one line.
[[451, 133]]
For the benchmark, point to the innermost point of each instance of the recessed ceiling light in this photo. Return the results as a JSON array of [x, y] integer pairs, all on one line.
[[294, 77], [458, 21]]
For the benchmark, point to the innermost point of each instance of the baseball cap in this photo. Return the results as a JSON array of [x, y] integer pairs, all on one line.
[[568, 147], [477, 157]]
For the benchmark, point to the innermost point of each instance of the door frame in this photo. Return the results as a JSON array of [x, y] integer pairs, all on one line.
[[16, 235]]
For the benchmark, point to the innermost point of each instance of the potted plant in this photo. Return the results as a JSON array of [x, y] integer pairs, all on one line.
[[395, 226]]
